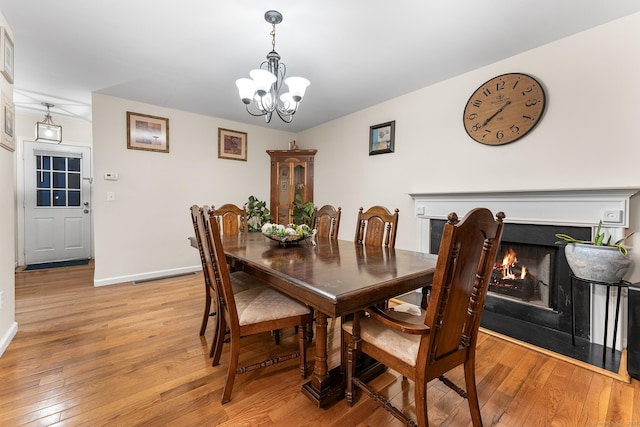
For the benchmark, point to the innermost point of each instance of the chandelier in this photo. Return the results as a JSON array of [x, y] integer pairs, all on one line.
[[261, 93]]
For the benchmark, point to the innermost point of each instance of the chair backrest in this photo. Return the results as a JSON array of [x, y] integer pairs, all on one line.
[[199, 231], [197, 215], [465, 261], [232, 219], [377, 226], [220, 272], [326, 222]]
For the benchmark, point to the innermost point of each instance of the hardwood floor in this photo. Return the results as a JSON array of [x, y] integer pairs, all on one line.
[[126, 355]]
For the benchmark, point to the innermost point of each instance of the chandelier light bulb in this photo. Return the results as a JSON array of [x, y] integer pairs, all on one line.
[[263, 81], [246, 88], [297, 87]]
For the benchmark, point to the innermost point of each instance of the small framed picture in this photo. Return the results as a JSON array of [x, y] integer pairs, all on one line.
[[232, 144], [6, 52], [149, 133], [7, 137], [382, 138]]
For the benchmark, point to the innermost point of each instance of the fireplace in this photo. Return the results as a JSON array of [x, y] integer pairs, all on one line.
[[530, 280], [541, 295]]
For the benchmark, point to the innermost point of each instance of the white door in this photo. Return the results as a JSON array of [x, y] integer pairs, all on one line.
[[57, 193]]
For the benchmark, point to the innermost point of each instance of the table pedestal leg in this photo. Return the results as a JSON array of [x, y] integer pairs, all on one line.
[[328, 386], [325, 387]]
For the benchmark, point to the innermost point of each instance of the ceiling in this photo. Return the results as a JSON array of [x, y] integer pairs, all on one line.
[[186, 55]]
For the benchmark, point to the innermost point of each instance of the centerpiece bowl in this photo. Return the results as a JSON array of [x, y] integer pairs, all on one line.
[[287, 235]]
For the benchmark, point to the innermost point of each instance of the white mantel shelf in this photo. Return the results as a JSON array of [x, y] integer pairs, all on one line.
[[573, 207]]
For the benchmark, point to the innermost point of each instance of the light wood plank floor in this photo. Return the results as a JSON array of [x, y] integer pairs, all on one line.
[[126, 355]]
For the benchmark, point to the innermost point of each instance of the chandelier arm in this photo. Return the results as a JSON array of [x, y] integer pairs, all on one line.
[[287, 118]]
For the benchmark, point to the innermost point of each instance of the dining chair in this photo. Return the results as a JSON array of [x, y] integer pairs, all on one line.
[[326, 222], [240, 279], [425, 344], [377, 226], [250, 312], [232, 219]]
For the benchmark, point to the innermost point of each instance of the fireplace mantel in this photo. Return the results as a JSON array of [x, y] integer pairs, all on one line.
[[575, 207]]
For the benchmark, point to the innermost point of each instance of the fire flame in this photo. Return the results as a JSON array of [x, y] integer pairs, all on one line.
[[508, 262]]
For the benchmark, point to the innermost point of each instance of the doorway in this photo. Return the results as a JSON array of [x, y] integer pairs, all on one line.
[[57, 202]]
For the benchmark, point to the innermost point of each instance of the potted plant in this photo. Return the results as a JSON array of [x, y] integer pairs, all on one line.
[[257, 214], [598, 260], [302, 211]]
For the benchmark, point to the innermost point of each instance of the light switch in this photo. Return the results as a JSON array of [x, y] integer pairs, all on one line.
[[111, 196]]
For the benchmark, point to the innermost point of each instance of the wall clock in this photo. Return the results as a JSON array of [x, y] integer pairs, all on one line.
[[504, 109]]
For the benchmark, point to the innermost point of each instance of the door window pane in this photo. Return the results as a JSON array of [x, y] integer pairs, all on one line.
[[44, 198], [43, 179], [59, 198], [74, 180], [73, 198], [74, 164], [59, 180], [59, 163]]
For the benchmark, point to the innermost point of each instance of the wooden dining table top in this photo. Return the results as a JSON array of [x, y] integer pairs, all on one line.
[[334, 276]]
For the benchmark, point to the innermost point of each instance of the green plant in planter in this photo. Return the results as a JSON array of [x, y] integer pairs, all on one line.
[[302, 211], [597, 241], [257, 214]]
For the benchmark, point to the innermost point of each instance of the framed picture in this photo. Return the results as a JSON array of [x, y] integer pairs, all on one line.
[[232, 144], [382, 138], [6, 51], [7, 137], [148, 133]]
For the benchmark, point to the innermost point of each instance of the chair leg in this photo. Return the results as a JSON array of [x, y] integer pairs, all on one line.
[[472, 392], [207, 314], [216, 345], [422, 415], [217, 336], [310, 328], [302, 343], [352, 352], [231, 371]]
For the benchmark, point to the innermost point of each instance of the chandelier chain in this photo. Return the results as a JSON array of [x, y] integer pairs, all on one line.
[[273, 37]]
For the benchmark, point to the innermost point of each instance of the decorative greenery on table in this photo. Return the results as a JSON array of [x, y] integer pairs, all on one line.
[[257, 214], [597, 241], [287, 234]]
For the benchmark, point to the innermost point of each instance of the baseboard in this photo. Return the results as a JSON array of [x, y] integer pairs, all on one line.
[[151, 275], [8, 337]]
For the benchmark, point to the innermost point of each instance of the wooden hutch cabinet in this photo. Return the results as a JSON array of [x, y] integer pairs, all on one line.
[[291, 174]]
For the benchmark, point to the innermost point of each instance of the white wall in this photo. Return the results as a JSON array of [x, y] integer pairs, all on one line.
[[587, 138], [143, 232], [8, 325]]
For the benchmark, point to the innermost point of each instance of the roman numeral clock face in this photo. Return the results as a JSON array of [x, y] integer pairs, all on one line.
[[504, 109]]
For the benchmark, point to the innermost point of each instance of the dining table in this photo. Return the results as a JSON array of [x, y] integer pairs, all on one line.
[[334, 277]]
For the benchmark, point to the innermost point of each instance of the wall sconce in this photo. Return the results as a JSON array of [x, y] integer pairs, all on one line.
[[46, 130]]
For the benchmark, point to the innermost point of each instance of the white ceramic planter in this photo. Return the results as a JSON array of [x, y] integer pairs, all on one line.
[[597, 263]]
